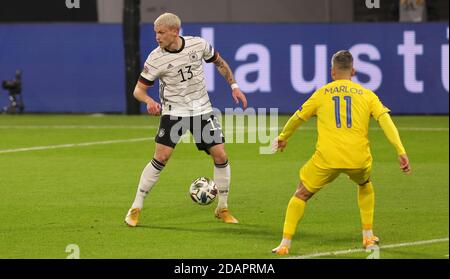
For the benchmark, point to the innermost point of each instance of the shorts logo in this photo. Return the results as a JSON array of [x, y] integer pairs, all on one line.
[[145, 70], [161, 133]]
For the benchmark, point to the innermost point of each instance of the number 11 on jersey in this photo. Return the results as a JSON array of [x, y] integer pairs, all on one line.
[[348, 110]]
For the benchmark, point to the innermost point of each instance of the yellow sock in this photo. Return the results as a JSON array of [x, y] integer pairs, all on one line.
[[294, 214], [366, 203]]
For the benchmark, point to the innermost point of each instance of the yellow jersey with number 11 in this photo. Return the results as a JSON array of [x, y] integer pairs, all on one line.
[[343, 109]]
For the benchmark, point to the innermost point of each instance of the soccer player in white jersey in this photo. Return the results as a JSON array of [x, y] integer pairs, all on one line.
[[185, 105]]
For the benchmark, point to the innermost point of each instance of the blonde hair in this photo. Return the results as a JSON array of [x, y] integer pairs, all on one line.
[[342, 60], [169, 20]]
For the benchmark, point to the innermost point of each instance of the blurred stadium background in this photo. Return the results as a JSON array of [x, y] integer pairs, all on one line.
[[65, 65], [66, 55]]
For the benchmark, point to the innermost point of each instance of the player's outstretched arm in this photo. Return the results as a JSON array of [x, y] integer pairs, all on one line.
[[291, 126], [393, 136], [225, 70], [140, 93]]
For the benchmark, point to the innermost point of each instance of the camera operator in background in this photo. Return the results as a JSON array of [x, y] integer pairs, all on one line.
[[14, 88]]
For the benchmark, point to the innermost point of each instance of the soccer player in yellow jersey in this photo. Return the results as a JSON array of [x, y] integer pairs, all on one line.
[[343, 109]]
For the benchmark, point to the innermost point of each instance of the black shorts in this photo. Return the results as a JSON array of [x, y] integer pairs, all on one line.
[[205, 129]]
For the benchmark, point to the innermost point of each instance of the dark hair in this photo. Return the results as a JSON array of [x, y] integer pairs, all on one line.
[[342, 60]]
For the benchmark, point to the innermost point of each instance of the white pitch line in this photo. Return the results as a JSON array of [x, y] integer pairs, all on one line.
[[34, 148], [349, 251], [421, 129]]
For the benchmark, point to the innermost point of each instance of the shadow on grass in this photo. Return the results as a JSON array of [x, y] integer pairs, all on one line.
[[217, 228]]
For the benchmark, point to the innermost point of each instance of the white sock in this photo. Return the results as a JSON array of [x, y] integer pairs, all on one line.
[[149, 176], [367, 233], [222, 175]]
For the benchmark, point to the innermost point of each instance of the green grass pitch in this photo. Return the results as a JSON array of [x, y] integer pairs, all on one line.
[[79, 194]]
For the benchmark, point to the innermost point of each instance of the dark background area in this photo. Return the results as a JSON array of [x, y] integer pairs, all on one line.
[[56, 10], [437, 10], [46, 11]]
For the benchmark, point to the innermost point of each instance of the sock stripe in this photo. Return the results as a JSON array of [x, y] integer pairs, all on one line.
[[158, 165], [221, 166]]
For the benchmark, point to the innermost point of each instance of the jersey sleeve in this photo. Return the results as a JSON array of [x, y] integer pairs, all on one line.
[[291, 126], [391, 133], [309, 108], [376, 107], [149, 73], [209, 53]]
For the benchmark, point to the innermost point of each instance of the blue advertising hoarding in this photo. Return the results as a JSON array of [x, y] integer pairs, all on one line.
[[80, 67]]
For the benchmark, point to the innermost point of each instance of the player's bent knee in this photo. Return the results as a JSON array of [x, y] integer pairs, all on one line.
[[162, 157], [365, 183], [219, 155], [220, 159], [163, 153], [302, 193]]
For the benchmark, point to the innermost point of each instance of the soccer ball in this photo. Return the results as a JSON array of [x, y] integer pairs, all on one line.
[[203, 191]]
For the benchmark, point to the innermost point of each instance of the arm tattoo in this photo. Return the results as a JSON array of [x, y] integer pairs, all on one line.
[[224, 70]]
